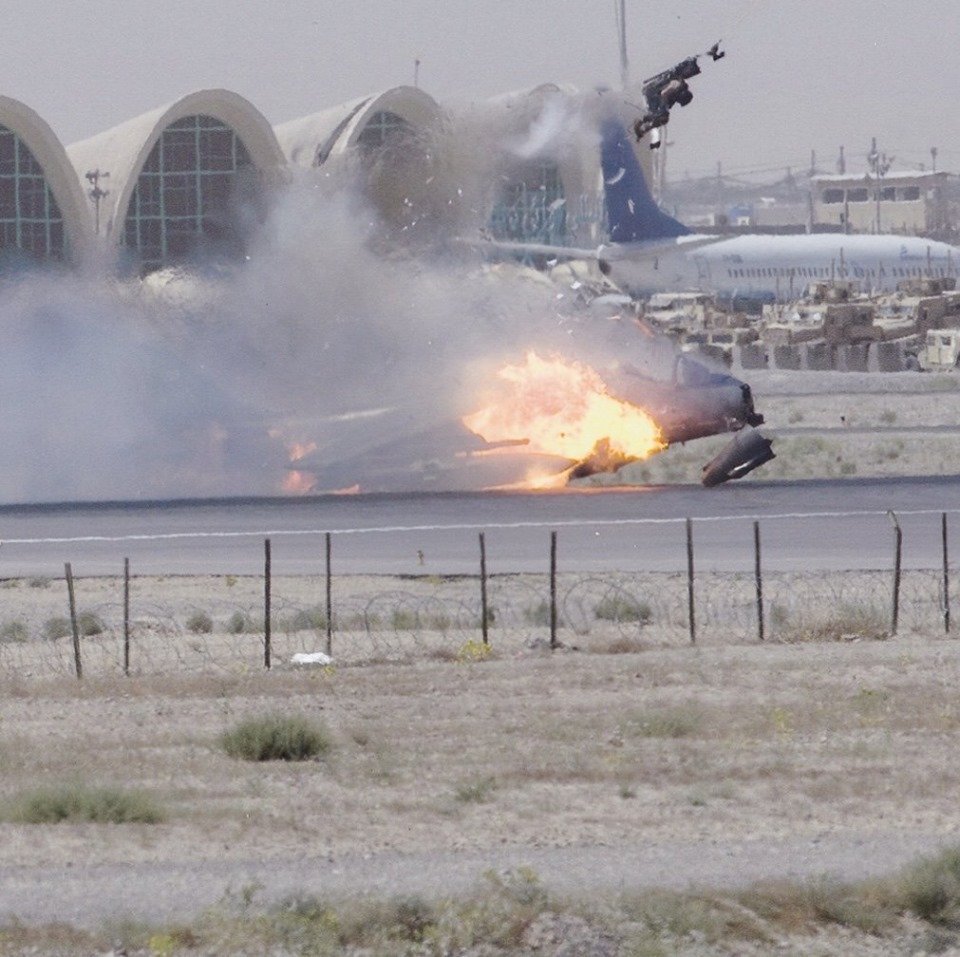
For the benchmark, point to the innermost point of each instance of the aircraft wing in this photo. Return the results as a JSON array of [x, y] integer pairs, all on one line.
[[652, 249], [612, 252]]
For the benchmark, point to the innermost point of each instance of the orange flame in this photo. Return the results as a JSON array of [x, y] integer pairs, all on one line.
[[298, 483], [559, 407], [297, 450]]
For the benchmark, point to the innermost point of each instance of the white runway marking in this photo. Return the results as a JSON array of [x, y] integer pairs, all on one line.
[[471, 526]]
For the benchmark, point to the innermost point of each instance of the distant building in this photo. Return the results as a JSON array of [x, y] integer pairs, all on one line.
[[909, 202]]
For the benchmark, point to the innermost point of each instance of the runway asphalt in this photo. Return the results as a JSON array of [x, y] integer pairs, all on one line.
[[821, 524]]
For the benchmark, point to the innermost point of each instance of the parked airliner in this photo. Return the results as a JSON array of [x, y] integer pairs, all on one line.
[[650, 251]]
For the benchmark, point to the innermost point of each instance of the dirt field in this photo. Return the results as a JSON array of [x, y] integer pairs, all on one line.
[[764, 748]]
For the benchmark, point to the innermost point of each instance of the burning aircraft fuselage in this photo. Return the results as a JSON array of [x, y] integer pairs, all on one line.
[[545, 421], [700, 403], [603, 421]]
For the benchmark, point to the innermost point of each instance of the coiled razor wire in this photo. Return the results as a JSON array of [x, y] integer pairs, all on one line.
[[437, 617]]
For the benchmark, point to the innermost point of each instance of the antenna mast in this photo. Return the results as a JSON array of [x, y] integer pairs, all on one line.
[[622, 31]]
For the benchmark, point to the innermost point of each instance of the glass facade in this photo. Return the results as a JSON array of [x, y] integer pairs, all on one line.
[[186, 195], [383, 129], [30, 221], [531, 207]]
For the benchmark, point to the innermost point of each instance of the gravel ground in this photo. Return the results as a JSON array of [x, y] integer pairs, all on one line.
[[89, 895]]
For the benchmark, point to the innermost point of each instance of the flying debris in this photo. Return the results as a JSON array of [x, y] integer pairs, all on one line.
[[715, 53], [667, 89]]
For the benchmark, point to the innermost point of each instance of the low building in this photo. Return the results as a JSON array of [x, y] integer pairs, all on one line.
[[901, 202]]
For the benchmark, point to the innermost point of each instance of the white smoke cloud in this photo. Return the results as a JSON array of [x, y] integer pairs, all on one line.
[[191, 384]]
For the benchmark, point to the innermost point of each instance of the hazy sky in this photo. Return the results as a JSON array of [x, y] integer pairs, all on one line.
[[801, 75]]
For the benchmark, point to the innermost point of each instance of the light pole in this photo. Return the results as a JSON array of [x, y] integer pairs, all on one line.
[[96, 194], [879, 165], [621, 9]]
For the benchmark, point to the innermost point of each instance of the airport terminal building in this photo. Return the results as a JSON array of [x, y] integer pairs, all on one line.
[[190, 180]]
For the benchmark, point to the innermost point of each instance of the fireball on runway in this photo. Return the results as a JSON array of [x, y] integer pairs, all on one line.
[[563, 408]]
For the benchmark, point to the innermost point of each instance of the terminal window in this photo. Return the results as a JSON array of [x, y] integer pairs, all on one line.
[[186, 192], [31, 225], [382, 129]]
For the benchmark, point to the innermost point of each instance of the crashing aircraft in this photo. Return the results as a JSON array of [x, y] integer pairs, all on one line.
[[554, 421]]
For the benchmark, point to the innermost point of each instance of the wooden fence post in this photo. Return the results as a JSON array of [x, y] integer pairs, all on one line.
[[898, 553], [758, 574], [946, 577], [266, 603], [329, 595], [126, 616], [483, 591], [78, 665], [553, 590], [690, 604]]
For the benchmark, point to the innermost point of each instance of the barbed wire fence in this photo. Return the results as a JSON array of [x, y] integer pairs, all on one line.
[[233, 624]]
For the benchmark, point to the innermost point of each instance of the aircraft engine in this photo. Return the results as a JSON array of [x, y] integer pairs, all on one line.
[[748, 451]]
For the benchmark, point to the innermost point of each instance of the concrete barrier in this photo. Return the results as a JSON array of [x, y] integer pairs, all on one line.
[[786, 357], [890, 357], [820, 356], [752, 356], [855, 357]]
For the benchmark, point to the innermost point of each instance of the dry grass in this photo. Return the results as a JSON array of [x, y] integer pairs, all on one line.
[[277, 737], [822, 735], [78, 803], [512, 913], [849, 621], [681, 721]]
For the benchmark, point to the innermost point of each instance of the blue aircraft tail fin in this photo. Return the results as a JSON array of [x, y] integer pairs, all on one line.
[[632, 214]]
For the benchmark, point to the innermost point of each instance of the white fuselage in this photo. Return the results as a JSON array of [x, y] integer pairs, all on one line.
[[781, 266]]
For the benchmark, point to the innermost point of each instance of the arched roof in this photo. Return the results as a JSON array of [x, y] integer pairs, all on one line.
[[337, 129], [57, 170], [538, 92], [123, 150]]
